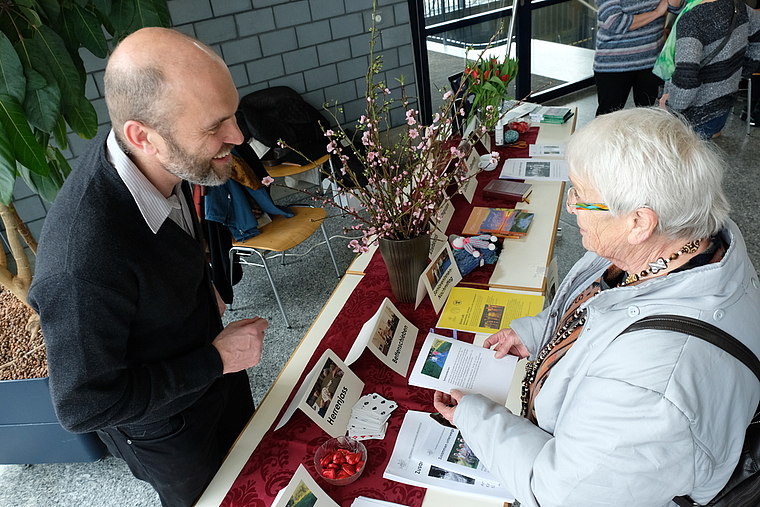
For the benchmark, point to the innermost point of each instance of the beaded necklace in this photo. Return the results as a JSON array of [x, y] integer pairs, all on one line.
[[578, 319], [662, 264]]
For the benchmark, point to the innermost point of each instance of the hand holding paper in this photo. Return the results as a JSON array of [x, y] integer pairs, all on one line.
[[507, 342]]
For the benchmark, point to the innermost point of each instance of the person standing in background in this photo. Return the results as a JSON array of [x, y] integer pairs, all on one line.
[[630, 35]]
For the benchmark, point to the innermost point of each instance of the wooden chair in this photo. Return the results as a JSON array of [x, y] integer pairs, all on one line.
[[293, 169], [278, 236]]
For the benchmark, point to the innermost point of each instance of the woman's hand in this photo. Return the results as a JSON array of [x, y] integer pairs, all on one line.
[[446, 404], [507, 342], [664, 100]]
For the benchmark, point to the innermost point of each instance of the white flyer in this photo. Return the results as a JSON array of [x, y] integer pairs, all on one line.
[[441, 275], [445, 364], [546, 169], [402, 467], [546, 150]]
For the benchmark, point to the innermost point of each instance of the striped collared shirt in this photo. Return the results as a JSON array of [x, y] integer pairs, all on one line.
[[155, 208]]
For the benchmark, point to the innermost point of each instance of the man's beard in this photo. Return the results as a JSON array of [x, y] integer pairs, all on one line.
[[194, 168]]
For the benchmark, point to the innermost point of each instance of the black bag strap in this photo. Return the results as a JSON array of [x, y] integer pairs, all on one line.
[[725, 39], [703, 330], [709, 333]]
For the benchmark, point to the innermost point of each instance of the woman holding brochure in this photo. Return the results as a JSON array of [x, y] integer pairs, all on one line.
[[632, 419]]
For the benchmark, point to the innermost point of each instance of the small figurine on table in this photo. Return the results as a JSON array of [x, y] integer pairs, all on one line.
[[474, 251]]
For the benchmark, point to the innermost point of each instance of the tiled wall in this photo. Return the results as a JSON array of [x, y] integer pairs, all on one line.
[[317, 47]]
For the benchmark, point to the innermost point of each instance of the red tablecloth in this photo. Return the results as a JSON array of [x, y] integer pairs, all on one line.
[[273, 462]]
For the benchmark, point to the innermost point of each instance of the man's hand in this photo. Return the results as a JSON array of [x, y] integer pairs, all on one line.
[[507, 342], [446, 404], [240, 344]]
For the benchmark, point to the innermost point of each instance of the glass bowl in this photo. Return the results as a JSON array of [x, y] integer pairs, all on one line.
[[343, 455]]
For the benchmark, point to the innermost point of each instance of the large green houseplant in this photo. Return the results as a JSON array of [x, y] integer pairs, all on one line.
[[42, 85]]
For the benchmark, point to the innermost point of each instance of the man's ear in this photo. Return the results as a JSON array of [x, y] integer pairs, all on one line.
[[643, 223], [141, 137]]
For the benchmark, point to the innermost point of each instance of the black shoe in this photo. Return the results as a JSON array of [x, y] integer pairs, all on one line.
[[752, 121]]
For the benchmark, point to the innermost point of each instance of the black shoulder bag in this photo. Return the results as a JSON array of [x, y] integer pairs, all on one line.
[[743, 488]]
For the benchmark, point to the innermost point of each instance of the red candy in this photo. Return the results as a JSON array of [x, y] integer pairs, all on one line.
[[341, 463]]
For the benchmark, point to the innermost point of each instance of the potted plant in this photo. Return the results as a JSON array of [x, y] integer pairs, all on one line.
[[41, 97]]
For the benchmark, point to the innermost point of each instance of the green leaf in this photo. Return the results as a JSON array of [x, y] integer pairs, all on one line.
[[104, 6], [61, 65], [82, 3], [83, 119], [7, 168], [59, 133], [163, 12], [51, 9], [30, 14], [145, 15], [45, 186], [28, 151], [88, 30], [42, 105], [62, 165], [122, 13], [12, 80], [67, 30]]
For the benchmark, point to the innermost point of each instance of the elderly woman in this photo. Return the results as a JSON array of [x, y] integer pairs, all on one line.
[[632, 419]]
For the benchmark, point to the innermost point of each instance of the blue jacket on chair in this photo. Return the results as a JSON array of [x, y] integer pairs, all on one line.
[[228, 204]]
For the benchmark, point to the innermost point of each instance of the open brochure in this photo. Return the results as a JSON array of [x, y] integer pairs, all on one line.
[[441, 275], [486, 311], [327, 395], [303, 491], [389, 335], [403, 467], [546, 169], [446, 363]]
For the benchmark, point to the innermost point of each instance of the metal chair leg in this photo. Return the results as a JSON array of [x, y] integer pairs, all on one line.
[[274, 288], [749, 102], [329, 249]]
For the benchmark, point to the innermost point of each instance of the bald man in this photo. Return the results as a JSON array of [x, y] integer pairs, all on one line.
[[136, 346]]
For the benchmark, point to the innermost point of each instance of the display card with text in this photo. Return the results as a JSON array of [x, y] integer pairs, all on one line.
[[441, 275], [389, 335], [327, 395]]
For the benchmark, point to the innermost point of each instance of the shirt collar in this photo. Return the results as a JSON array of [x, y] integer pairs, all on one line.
[[155, 208]]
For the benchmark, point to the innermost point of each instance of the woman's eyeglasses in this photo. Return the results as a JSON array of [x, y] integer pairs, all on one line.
[[573, 204]]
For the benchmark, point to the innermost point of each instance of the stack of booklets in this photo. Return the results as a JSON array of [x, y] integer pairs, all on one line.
[[500, 222], [508, 190], [551, 114]]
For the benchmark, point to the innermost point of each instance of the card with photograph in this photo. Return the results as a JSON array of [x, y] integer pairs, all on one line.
[[441, 275], [303, 491], [327, 395], [389, 335]]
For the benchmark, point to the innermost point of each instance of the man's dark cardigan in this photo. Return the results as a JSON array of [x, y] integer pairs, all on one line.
[[128, 316]]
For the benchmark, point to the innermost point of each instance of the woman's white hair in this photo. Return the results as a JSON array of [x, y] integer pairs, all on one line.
[[648, 157]]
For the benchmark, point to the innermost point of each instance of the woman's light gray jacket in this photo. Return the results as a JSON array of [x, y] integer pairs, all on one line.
[[635, 420]]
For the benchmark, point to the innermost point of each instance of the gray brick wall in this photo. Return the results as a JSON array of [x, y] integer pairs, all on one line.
[[317, 47]]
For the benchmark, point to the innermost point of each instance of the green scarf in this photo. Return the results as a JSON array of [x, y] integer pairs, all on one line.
[[666, 61]]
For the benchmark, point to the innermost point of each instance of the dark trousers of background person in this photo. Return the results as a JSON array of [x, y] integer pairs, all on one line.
[[613, 88], [179, 456]]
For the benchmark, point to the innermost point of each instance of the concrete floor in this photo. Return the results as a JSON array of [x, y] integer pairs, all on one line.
[[108, 482]]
